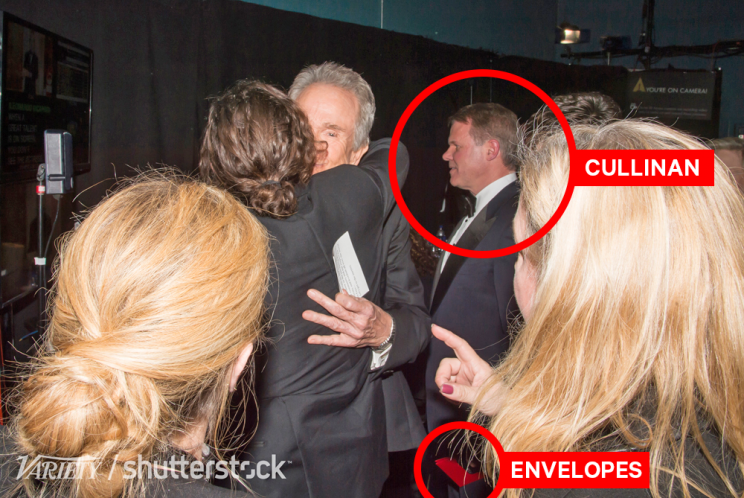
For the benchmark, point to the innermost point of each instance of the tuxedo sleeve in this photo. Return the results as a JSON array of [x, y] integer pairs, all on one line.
[[375, 163], [403, 299], [503, 276]]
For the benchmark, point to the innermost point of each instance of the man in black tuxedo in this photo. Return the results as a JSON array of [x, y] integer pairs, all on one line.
[[340, 107], [475, 297]]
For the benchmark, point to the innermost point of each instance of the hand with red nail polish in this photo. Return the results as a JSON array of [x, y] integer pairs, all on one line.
[[460, 379]]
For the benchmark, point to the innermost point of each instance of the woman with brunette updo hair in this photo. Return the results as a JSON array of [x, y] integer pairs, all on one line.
[[319, 411], [257, 151], [634, 318], [156, 307]]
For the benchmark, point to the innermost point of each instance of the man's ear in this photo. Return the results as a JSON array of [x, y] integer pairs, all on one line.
[[239, 365], [357, 155], [492, 149]]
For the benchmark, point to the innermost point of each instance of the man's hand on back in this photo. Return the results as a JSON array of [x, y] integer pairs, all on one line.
[[359, 322]]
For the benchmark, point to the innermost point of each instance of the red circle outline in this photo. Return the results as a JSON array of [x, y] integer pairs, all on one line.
[[479, 73], [503, 458]]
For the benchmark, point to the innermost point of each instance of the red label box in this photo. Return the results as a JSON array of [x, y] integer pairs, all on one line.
[[642, 168], [575, 470]]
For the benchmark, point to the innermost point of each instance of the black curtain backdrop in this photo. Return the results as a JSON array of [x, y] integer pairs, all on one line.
[[157, 61]]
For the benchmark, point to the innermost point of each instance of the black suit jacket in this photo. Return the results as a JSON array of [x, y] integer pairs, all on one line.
[[403, 298], [320, 409], [474, 298]]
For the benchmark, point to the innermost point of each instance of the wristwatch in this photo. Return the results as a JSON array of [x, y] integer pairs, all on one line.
[[387, 343], [380, 353]]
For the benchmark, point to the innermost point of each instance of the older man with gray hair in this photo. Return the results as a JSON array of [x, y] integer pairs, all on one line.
[[340, 106]]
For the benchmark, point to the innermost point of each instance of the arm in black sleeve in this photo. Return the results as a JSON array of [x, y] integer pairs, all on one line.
[[403, 298], [375, 162]]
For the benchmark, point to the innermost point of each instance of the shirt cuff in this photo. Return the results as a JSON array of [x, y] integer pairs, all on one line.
[[381, 353]]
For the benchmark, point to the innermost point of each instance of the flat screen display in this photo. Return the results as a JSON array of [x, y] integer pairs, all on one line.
[[46, 83]]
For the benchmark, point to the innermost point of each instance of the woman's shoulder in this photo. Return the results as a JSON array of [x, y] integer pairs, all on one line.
[[195, 488], [698, 469], [185, 478], [348, 191], [591, 493], [343, 176]]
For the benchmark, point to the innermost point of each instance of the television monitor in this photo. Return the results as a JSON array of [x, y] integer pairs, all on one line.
[[46, 83], [686, 99]]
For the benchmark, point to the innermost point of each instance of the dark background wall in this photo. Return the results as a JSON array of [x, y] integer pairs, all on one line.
[[678, 22], [514, 27], [157, 61], [525, 28], [144, 81]]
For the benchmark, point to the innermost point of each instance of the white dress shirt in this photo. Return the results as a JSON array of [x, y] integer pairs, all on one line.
[[481, 201]]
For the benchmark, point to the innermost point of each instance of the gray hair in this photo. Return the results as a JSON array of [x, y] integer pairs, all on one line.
[[331, 73]]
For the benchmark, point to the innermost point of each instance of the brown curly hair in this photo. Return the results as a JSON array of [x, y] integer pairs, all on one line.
[[259, 145]]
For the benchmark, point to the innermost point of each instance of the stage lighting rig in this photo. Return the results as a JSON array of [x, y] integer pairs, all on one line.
[[648, 53], [569, 34]]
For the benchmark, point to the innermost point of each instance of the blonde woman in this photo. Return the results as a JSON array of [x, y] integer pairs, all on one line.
[[634, 320], [158, 303]]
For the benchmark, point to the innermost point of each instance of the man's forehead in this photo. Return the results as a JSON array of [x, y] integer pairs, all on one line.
[[458, 130], [329, 105], [328, 91]]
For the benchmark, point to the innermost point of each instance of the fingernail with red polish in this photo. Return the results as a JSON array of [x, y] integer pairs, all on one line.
[[447, 389]]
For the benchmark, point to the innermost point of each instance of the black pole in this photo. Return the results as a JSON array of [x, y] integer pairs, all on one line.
[[41, 260], [648, 32]]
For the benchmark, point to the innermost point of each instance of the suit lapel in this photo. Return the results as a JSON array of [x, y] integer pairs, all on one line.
[[470, 240], [438, 272]]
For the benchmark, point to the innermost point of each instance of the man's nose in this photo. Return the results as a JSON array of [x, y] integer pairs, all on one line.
[[447, 156], [321, 149]]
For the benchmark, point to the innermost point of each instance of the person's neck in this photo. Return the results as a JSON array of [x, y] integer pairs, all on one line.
[[191, 439], [489, 182], [495, 175]]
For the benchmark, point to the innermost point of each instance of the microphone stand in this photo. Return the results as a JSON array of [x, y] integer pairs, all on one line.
[[40, 261]]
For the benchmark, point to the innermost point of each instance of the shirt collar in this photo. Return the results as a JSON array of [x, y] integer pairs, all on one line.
[[492, 190]]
